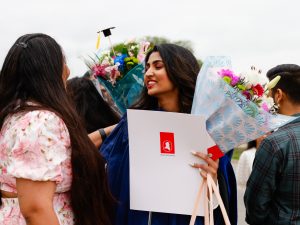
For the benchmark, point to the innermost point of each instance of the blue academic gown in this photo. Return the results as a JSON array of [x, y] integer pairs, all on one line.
[[115, 150]]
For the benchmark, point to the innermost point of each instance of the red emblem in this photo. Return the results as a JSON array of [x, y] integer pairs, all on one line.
[[167, 144], [216, 152]]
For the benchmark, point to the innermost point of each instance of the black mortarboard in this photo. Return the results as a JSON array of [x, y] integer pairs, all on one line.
[[106, 31]]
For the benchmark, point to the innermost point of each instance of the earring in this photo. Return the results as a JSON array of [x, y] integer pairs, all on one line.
[[275, 109]]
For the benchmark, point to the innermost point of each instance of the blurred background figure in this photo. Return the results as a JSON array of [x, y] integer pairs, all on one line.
[[92, 108], [272, 193], [244, 166], [98, 116]]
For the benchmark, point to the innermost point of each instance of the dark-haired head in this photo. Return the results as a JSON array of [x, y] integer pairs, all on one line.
[[289, 82], [34, 70], [90, 105], [182, 69]]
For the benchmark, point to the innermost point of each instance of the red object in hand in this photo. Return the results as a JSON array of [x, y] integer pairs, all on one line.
[[216, 152], [167, 144]]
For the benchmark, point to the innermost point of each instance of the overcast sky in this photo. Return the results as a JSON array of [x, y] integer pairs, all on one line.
[[263, 33]]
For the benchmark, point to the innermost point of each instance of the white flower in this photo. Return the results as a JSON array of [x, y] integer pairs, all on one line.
[[254, 77], [266, 103], [269, 100]]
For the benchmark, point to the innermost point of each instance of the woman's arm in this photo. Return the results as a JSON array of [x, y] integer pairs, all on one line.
[[36, 201], [96, 137]]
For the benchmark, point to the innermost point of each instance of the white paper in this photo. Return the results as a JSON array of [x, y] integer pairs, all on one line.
[[165, 183]]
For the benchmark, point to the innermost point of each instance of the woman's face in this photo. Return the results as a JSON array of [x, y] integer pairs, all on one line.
[[156, 79]]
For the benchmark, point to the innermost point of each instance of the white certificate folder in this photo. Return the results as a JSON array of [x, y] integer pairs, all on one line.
[[160, 145]]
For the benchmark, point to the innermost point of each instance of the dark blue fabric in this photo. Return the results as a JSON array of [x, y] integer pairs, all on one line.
[[115, 150]]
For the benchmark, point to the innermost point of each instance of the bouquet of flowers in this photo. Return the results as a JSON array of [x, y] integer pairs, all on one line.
[[236, 107], [253, 85], [121, 71]]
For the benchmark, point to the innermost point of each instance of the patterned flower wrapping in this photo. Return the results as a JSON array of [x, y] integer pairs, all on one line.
[[232, 120], [127, 90]]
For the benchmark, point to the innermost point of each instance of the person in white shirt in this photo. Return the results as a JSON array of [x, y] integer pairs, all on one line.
[[245, 163]]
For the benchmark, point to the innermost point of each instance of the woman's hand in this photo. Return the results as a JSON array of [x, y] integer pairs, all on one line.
[[210, 166]]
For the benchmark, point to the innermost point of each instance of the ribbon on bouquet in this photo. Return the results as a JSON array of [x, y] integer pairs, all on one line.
[[210, 187], [232, 120]]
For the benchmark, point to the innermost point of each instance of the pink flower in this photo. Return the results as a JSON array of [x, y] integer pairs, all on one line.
[[226, 72], [229, 76], [99, 70], [113, 72], [234, 80], [265, 107], [143, 49]]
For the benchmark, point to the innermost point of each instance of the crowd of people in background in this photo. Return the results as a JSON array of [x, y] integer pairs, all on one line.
[[64, 151]]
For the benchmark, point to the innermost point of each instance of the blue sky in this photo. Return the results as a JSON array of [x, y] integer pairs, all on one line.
[[261, 33]]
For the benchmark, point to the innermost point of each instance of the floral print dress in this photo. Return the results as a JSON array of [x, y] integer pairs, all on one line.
[[35, 145]]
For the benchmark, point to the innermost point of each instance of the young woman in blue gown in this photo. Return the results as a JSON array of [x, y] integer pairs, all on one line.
[[169, 83]]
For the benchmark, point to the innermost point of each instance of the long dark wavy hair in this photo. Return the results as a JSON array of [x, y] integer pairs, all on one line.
[[91, 107], [32, 71], [182, 69]]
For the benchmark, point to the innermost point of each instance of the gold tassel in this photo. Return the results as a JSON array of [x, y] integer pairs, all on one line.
[[98, 41]]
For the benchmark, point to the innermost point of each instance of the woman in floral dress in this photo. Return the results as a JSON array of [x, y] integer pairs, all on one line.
[[50, 172]]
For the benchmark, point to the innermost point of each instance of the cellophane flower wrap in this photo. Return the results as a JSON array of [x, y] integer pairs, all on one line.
[[122, 74], [235, 114]]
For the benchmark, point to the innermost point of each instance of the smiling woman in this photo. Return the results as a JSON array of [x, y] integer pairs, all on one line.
[[170, 79], [158, 83]]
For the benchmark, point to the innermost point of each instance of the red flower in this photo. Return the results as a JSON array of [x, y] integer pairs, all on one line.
[[247, 94], [258, 90], [99, 70]]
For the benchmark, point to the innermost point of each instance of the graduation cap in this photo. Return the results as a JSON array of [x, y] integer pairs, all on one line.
[[106, 31]]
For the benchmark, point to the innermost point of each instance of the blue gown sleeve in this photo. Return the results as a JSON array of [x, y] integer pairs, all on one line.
[[228, 187], [115, 150]]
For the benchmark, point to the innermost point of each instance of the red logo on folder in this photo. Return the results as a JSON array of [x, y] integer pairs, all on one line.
[[216, 152], [167, 144]]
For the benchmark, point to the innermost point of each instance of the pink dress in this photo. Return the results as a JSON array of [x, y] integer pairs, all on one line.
[[36, 146]]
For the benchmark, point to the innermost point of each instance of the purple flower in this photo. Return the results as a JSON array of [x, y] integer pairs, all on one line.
[[228, 73], [234, 80], [225, 72], [247, 94]]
